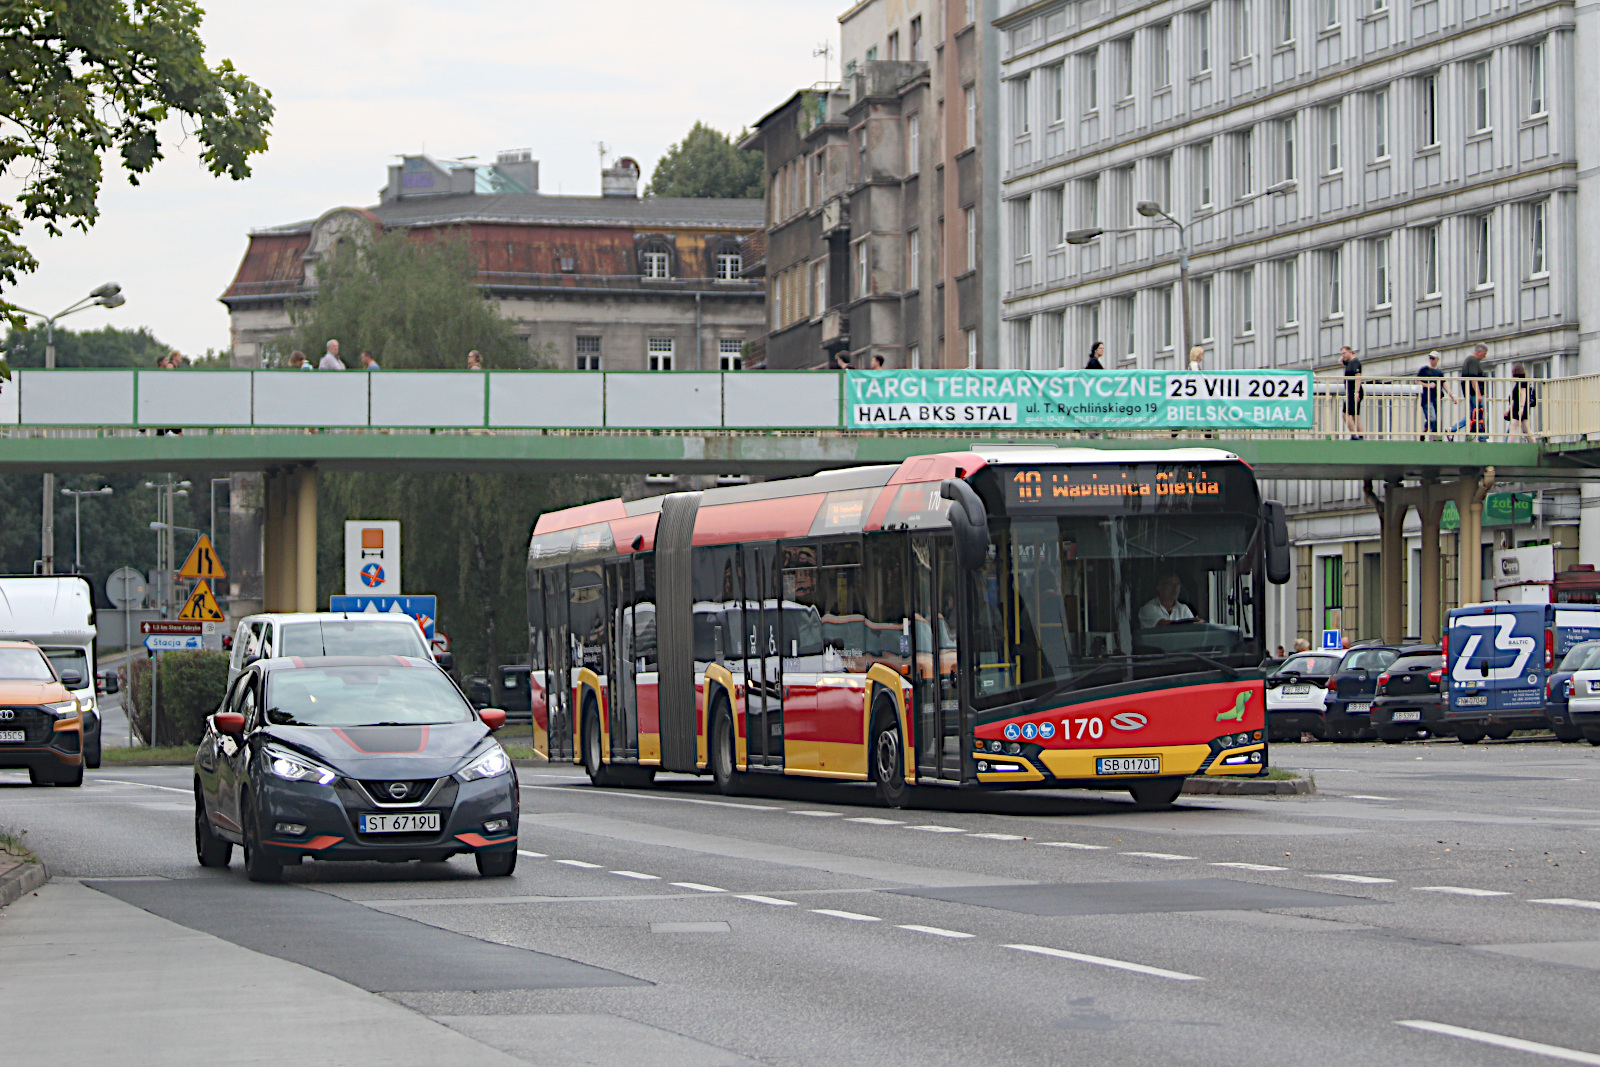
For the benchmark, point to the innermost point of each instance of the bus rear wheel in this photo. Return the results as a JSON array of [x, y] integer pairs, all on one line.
[[1155, 794], [889, 756], [724, 766], [600, 773]]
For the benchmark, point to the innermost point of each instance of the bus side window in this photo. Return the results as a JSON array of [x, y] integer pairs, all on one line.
[[887, 603]]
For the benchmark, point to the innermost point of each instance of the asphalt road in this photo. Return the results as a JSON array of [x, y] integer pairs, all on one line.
[[1432, 904]]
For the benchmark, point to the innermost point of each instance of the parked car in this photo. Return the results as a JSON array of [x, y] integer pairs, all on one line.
[[1498, 659], [515, 694], [56, 613], [328, 633], [1558, 688], [41, 722], [1583, 698], [1347, 712], [352, 758], [1407, 705], [1295, 694]]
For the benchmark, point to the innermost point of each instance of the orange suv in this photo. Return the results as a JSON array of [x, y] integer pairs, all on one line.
[[41, 725]]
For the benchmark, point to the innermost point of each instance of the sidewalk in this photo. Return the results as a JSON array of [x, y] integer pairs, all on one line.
[[145, 991]]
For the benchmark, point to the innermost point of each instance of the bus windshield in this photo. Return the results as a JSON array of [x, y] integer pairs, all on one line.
[[1088, 600]]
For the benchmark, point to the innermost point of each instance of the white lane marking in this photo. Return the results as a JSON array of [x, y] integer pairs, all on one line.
[[1070, 844], [1250, 866], [853, 916], [819, 814], [1460, 890], [939, 829], [870, 821], [535, 855], [1000, 837], [578, 863], [147, 785], [1568, 902], [1102, 961], [622, 793], [1538, 1048], [640, 877], [934, 930], [1358, 879], [759, 899], [698, 887], [1156, 855], [1364, 796]]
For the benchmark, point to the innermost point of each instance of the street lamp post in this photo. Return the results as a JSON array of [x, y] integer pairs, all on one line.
[[214, 483], [77, 496], [108, 295], [167, 493], [1151, 210]]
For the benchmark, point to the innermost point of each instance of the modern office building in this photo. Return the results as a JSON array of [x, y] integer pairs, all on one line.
[[1392, 175]]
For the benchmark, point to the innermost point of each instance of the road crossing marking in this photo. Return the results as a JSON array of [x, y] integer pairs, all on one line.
[[939, 829], [1156, 855], [1250, 866], [819, 814], [147, 785], [1460, 890], [868, 820], [698, 887], [1363, 796], [623, 794], [765, 900], [636, 874], [1358, 879], [851, 915], [934, 930], [535, 855], [1517, 1044], [1568, 902], [579, 863], [1000, 837], [1070, 844], [1102, 961]]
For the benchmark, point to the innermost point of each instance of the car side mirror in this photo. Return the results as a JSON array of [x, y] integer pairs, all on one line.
[[71, 679], [229, 722], [445, 660], [493, 718]]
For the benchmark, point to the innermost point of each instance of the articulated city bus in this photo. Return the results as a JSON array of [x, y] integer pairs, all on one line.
[[1001, 618]]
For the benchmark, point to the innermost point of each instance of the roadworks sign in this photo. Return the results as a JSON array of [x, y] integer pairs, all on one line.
[[202, 605], [203, 562]]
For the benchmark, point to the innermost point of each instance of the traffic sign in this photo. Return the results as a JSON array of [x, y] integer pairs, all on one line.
[[422, 608], [159, 627], [125, 588], [174, 642], [203, 562], [202, 606], [371, 557], [1332, 640]]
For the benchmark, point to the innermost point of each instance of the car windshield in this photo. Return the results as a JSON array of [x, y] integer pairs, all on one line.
[[70, 659], [1426, 661], [24, 665], [1372, 659], [1581, 657], [364, 695], [350, 637], [1308, 665]]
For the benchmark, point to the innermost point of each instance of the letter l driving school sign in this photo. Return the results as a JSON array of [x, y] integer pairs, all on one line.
[[1073, 399]]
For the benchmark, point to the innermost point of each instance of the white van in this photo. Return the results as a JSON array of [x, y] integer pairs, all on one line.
[[56, 612], [326, 633]]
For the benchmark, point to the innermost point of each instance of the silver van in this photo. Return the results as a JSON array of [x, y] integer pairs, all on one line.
[[326, 633], [56, 612]]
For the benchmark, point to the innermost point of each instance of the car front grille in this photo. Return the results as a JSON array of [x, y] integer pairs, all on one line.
[[387, 791], [36, 723]]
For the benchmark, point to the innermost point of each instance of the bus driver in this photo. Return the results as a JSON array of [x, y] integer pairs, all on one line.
[[1165, 608]]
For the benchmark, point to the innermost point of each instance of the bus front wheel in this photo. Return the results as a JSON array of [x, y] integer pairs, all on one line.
[[1155, 794], [600, 773], [888, 757]]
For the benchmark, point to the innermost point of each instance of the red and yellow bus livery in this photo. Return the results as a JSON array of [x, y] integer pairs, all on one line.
[[1006, 617]]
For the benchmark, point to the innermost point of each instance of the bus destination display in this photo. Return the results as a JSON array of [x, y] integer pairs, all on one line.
[[1101, 487]]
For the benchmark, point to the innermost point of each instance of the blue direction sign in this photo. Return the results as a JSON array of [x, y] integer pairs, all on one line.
[[174, 642], [422, 608]]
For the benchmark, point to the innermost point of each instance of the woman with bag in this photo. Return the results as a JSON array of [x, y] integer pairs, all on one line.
[[1523, 400]]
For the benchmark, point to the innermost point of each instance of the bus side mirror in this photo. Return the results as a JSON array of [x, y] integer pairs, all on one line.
[[1276, 522], [969, 519]]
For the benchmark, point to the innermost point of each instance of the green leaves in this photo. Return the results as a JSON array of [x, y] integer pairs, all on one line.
[[707, 164], [82, 78]]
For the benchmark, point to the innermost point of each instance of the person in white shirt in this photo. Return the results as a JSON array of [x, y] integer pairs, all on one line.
[[330, 359], [1165, 608], [1197, 359]]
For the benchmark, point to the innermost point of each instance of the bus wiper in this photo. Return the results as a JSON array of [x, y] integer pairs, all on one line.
[[1207, 660]]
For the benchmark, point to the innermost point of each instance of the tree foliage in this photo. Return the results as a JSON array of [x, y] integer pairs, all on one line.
[[85, 77], [108, 346], [708, 163]]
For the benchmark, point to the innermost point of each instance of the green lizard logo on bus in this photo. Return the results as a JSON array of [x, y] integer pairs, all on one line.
[[1237, 711]]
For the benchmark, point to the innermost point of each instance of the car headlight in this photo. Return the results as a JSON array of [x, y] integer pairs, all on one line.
[[491, 764], [298, 769], [64, 708]]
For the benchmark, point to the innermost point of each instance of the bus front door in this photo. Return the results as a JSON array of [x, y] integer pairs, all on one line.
[[938, 707], [763, 700], [558, 664], [622, 700]]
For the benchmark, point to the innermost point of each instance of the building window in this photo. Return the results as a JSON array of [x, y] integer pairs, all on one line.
[[1333, 281], [1241, 30], [1380, 5], [916, 39], [969, 97], [1089, 318], [729, 264], [1245, 161], [659, 351], [972, 348], [730, 353], [1202, 174], [863, 269], [1538, 263], [1164, 332], [913, 144], [1201, 296], [1428, 241], [891, 51], [1428, 110], [1202, 40], [1330, 13], [1022, 343], [1090, 64], [971, 216], [1380, 124], [819, 285], [968, 12], [1478, 226], [914, 357], [1125, 310], [1122, 66], [1022, 240], [1536, 98], [657, 264], [1382, 283], [1161, 180], [862, 173], [1055, 94], [588, 353], [1122, 196], [1089, 202], [1288, 292], [1285, 20], [914, 259], [816, 179], [1052, 217], [1021, 112], [1245, 289], [1480, 94], [1330, 118], [1161, 55], [1286, 136]]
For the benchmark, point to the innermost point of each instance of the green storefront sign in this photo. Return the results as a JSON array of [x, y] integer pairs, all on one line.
[[1077, 399], [1499, 509]]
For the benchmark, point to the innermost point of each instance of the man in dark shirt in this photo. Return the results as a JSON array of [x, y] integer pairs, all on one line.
[[1473, 371], [1352, 391], [1430, 393]]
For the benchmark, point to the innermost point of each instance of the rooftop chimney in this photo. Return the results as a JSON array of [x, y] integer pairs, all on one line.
[[519, 169], [620, 180]]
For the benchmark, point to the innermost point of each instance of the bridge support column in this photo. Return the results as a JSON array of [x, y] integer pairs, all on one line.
[[305, 572], [289, 550], [272, 542], [1392, 545], [1430, 593], [1469, 496]]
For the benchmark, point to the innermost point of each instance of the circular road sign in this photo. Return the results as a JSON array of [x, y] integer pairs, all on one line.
[[126, 588]]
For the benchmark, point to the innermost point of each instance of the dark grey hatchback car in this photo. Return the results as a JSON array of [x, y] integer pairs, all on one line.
[[352, 758]]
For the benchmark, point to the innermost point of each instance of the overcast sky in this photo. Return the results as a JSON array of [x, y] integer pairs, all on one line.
[[358, 83]]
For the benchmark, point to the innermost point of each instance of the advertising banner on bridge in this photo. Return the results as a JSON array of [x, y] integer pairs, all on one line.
[[1077, 400]]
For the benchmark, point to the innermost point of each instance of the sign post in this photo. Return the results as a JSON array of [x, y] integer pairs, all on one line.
[[166, 637]]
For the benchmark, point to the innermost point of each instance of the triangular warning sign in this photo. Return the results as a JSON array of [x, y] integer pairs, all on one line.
[[201, 606], [203, 562]]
